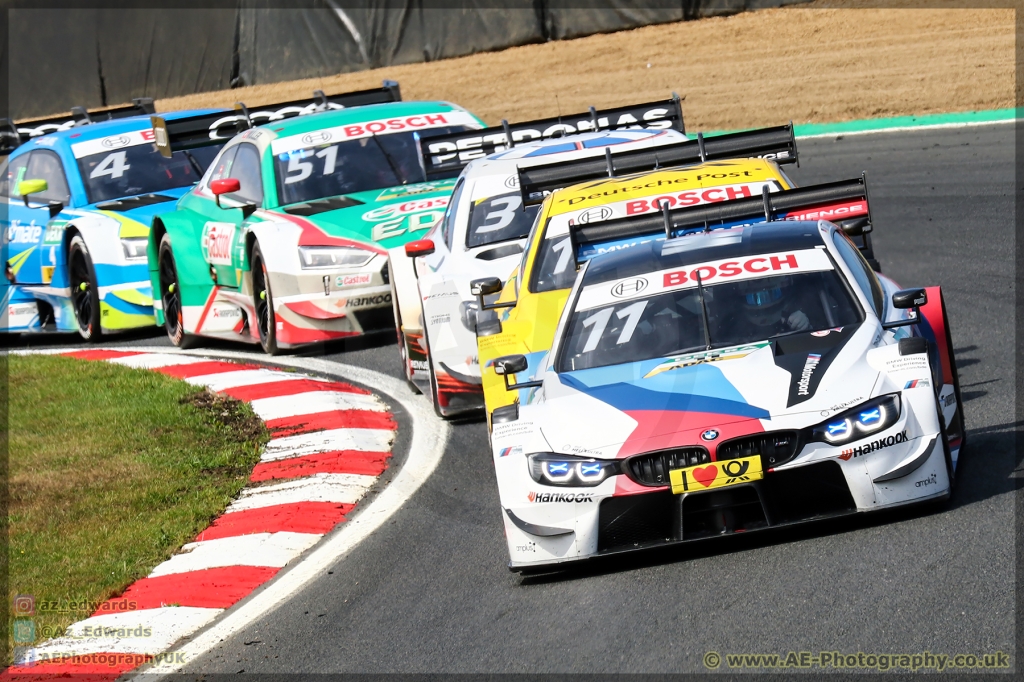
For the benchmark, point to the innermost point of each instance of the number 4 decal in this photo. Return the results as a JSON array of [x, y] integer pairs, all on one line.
[[113, 165]]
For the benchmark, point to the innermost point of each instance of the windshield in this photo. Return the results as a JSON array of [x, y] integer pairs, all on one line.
[[361, 165], [140, 169], [670, 323], [499, 219]]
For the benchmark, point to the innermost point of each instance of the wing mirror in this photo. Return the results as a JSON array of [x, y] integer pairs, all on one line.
[[488, 286], [907, 299], [513, 364], [420, 247], [224, 186], [855, 227], [27, 187], [230, 186]]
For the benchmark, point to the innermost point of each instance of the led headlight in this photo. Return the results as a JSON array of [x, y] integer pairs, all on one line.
[[869, 417], [134, 247], [551, 468], [312, 257]]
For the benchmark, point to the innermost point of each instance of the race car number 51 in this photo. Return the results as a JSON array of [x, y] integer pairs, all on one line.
[[716, 474]]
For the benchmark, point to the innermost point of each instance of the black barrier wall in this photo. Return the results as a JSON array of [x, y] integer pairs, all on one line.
[[59, 58]]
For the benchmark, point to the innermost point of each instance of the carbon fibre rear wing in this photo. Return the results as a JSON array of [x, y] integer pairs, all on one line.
[[13, 135], [444, 156], [203, 130], [777, 143], [844, 202]]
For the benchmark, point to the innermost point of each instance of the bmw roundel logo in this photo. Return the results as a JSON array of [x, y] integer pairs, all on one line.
[[115, 142], [318, 137], [710, 434], [629, 287]]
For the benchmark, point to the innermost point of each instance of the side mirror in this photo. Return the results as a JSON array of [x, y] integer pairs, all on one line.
[[488, 286], [856, 227], [248, 209], [27, 187], [513, 364], [485, 286], [224, 186], [420, 247], [510, 364], [907, 299], [505, 414]]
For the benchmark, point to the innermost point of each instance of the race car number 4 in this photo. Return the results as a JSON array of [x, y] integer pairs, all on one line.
[[716, 474]]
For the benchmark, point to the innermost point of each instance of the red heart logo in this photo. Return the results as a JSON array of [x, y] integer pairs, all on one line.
[[706, 475]]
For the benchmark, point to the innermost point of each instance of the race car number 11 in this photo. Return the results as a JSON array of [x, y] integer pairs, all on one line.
[[716, 474]]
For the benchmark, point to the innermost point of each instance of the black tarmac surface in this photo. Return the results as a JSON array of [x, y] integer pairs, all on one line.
[[430, 591]]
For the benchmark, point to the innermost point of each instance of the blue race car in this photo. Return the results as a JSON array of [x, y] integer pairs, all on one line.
[[81, 194]]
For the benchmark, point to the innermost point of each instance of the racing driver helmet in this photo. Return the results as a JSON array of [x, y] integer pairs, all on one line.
[[763, 299]]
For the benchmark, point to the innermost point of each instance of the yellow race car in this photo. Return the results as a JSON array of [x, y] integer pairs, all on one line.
[[525, 314]]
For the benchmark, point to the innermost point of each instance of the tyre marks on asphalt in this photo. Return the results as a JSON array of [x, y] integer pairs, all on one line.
[[330, 442]]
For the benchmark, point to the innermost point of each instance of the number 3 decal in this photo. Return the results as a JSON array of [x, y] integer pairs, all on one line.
[[504, 216]]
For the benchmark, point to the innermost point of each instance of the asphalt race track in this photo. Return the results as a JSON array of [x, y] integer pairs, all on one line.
[[430, 591]]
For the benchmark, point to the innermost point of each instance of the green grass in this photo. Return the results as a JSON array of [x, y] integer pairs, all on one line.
[[111, 471]]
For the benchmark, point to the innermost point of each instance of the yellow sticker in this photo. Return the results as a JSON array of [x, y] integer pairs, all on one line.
[[716, 474]]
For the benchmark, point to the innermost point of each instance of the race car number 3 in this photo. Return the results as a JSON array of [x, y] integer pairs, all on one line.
[[716, 474]]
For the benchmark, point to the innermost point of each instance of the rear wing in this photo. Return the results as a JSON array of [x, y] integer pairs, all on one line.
[[844, 202], [13, 135], [445, 156], [202, 130], [777, 143]]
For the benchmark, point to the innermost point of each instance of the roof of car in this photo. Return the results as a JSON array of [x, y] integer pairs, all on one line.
[[711, 173], [100, 129], [370, 112], [739, 242], [539, 152]]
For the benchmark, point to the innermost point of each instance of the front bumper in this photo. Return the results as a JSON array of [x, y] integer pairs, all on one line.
[[600, 522], [322, 305]]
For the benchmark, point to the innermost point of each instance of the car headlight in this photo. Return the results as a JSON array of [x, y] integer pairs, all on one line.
[[134, 247], [333, 257], [869, 417], [551, 468]]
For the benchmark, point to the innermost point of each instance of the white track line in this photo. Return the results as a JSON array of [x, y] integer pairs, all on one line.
[[909, 129], [166, 625], [257, 549], [313, 402], [337, 488]]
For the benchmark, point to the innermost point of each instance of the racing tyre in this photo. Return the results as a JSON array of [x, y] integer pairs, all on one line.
[[263, 302], [170, 296], [85, 294]]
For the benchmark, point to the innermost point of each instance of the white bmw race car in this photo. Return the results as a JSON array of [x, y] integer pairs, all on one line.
[[729, 378]]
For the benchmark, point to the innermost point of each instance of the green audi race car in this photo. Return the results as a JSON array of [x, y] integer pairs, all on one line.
[[284, 240]]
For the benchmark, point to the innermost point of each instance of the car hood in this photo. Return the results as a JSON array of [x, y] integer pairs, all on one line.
[[135, 213], [385, 218], [668, 402]]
